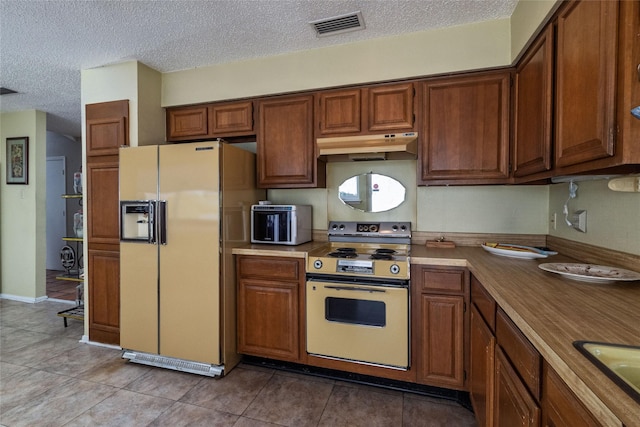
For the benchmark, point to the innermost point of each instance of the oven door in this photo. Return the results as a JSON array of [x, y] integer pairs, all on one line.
[[358, 322]]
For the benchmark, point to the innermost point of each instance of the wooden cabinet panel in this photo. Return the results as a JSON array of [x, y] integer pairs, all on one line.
[[285, 145], [481, 367], [466, 129], [440, 325], [265, 268], [390, 108], [533, 103], [586, 81], [268, 319], [513, 405], [444, 280], [525, 358], [271, 307], [484, 302], [231, 119], [187, 123], [103, 202], [441, 350], [104, 296], [339, 112], [107, 127], [560, 407], [369, 110]]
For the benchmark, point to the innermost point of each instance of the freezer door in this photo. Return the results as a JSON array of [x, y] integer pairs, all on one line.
[[138, 261], [190, 259]]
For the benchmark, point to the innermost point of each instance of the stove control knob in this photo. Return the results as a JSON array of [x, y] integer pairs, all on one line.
[[394, 228], [395, 269], [317, 264], [404, 227]]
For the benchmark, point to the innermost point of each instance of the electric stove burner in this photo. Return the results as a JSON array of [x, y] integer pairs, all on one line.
[[383, 256], [343, 254], [346, 250], [385, 251]]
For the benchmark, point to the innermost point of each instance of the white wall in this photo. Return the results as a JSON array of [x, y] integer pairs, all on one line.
[[526, 20], [613, 218], [23, 225], [465, 47]]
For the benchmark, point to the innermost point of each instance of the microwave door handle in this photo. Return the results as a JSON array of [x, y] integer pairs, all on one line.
[[273, 229], [354, 288]]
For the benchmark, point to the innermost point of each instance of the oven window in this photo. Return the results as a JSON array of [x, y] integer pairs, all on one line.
[[355, 311]]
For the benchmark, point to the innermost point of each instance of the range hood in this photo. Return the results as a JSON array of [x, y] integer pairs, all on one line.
[[394, 146]]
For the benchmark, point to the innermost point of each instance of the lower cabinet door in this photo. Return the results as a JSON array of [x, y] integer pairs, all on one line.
[[104, 296], [441, 341], [268, 319], [560, 407], [513, 405], [481, 375]]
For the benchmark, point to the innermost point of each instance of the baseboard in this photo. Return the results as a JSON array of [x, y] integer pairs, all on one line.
[[23, 299]]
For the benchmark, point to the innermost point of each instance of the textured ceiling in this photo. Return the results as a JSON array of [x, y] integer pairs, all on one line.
[[45, 44]]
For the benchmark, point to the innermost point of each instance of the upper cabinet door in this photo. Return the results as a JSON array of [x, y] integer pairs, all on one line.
[[390, 108], [107, 127], [339, 112], [370, 110], [533, 105], [184, 123], [586, 81], [285, 146], [466, 129], [231, 119]]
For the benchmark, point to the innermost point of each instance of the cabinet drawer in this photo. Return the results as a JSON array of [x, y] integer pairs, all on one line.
[[484, 302], [523, 355], [270, 268], [448, 281]]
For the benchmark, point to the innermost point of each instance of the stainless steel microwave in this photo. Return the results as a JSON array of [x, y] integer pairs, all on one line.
[[281, 224]]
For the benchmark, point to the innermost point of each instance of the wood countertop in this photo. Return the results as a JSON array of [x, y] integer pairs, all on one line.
[[553, 312], [550, 310]]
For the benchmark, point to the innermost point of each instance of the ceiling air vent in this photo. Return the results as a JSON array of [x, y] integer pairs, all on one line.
[[338, 24]]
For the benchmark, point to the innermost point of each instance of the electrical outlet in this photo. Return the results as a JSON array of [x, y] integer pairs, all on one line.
[[554, 221]]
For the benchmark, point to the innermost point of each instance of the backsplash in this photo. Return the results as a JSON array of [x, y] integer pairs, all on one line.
[[470, 209]]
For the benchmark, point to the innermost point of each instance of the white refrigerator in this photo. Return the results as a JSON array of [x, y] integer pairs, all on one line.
[[183, 207]]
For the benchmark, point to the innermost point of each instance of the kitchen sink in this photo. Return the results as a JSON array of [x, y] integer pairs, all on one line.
[[619, 362]]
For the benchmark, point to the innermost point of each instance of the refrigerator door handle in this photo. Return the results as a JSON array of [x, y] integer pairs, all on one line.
[[161, 220], [152, 223]]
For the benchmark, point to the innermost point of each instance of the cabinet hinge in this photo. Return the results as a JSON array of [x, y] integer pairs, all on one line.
[[613, 131], [464, 375], [510, 168], [464, 307], [414, 119]]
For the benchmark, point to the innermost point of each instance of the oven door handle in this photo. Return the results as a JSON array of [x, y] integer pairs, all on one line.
[[354, 288]]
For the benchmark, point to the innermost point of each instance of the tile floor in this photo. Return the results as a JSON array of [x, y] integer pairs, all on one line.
[[60, 289], [48, 378]]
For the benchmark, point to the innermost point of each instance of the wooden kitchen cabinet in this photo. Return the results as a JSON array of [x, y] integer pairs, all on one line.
[[187, 123], [440, 329], [465, 136], [482, 353], [513, 405], [270, 307], [560, 406], [107, 131], [533, 108], [217, 120], [371, 110], [585, 105], [286, 153]]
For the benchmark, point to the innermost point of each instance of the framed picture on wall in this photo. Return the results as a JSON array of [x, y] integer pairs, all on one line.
[[18, 160]]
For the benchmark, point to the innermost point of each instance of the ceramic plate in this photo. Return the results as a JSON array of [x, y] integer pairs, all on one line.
[[513, 251], [591, 273]]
